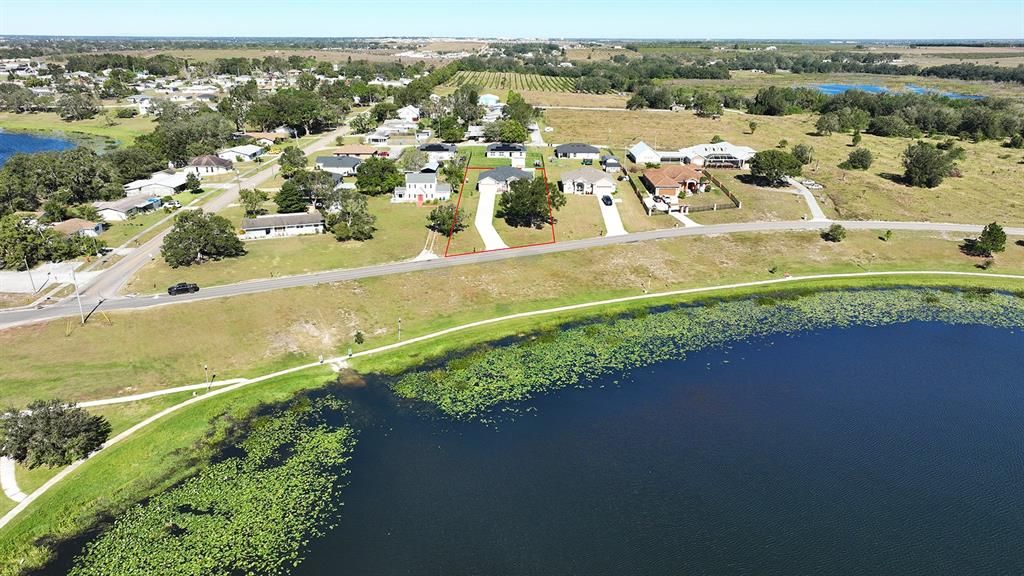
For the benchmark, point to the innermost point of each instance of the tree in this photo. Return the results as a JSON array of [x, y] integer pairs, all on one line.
[[362, 123], [1016, 141], [992, 239], [291, 199], [526, 203], [834, 233], [707, 104], [454, 172], [445, 219], [252, 201], [192, 183], [349, 217], [925, 165], [449, 129], [859, 159], [412, 159], [512, 131], [77, 106], [197, 237], [753, 126], [51, 433], [292, 160], [856, 138], [23, 244], [465, 104], [377, 176], [774, 165], [803, 153], [782, 143], [517, 109], [827, 124]]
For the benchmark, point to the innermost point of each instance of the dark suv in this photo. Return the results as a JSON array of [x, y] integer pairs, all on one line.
[[182, 288]]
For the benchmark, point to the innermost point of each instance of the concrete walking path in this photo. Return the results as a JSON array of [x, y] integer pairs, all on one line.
[[484, 221], [684, 220], [335, 362], [9, 481]]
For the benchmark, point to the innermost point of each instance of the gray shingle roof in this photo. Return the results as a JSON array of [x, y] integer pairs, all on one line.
[[338, 161], [506, 147], [575, 148], [506, 173]]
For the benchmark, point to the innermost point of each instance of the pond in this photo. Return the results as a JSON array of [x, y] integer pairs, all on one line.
[[863, 450], [12, 143], [832, 89]]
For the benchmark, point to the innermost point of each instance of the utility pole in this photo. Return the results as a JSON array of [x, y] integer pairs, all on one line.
[[29, 270], [78, 296], [206, 369], [399, 329]]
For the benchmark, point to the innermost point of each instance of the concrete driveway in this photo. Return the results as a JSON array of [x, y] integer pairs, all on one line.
[[484, 221], [612, 221]]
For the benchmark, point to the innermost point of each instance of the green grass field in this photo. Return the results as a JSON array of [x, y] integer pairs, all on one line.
[[988, 190], [124, 131]]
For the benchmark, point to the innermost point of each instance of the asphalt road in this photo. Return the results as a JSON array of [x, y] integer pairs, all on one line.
[[91, 302]]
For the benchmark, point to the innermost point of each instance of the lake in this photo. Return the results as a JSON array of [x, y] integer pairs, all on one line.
[[864, 450], [832, 89], [12, 143]]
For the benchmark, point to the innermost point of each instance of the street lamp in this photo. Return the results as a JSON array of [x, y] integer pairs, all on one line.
[[78, 296]]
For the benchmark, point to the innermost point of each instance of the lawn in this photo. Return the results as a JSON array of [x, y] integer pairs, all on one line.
[[401, 233], [988, 191], [469, 239], [758, 204], [117, 233], [167, 346], [124, 131]]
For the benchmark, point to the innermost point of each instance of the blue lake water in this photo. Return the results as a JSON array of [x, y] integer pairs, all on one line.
[[832, 89], [12, 143], [890, 450]]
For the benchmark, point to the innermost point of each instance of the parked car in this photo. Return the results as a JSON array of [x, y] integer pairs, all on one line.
[[606, 200], [182, 288]]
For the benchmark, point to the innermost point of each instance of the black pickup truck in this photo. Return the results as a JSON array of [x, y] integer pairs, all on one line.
[[182, 288]]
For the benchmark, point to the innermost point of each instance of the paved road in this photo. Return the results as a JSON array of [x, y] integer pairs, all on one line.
[[69, 308], [109, 283]]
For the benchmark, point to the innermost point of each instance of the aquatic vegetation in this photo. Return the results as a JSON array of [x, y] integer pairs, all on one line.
[[470, 386], [250, 513]]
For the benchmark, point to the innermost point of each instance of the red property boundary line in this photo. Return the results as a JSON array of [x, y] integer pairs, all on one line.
[[458, 204]]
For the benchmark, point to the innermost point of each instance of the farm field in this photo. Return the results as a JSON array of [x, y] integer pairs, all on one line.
[[505, 81], [989, 189]]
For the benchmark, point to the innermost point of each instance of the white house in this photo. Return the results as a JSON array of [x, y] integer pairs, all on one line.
[[159, 184], [488, 100], [208, 165], [497, 180], [340, 165], [438, 152], [721, 154], [409, 113], [377, 138], [641, 153], [422, 187], [611, 164], [577, 151], [243, 153], [282, 225], [506, 150], [125, 208], [587, 180]]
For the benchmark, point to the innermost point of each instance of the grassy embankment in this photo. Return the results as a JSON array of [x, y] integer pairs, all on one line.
[[124, 131], [254, 334], [988, 191]]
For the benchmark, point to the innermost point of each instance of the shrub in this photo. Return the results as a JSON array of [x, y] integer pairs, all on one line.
[[834, 233], [859, 159]]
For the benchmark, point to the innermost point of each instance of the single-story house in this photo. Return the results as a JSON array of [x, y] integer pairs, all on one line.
[[243, 153], [577, 151], [208, 164], [377, 138], [422, 187], [641, 153], [673, 179], [611, 164], [357, 150], [410, 113], [474, 132], [78, 227], [506, 150], [431, 166], [720, 155], [125, 208], [282, 225], [340, 165], [488, 100], [587, 180], [439, 152], [397, 126], [498, 179], [158, 184], [266, 138]]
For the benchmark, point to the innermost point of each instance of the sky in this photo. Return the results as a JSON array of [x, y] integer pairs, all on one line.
[[670, 19]]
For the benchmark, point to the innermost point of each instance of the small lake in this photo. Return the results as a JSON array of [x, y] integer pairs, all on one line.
[[12, 143], [886, 450], [832, 89]]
